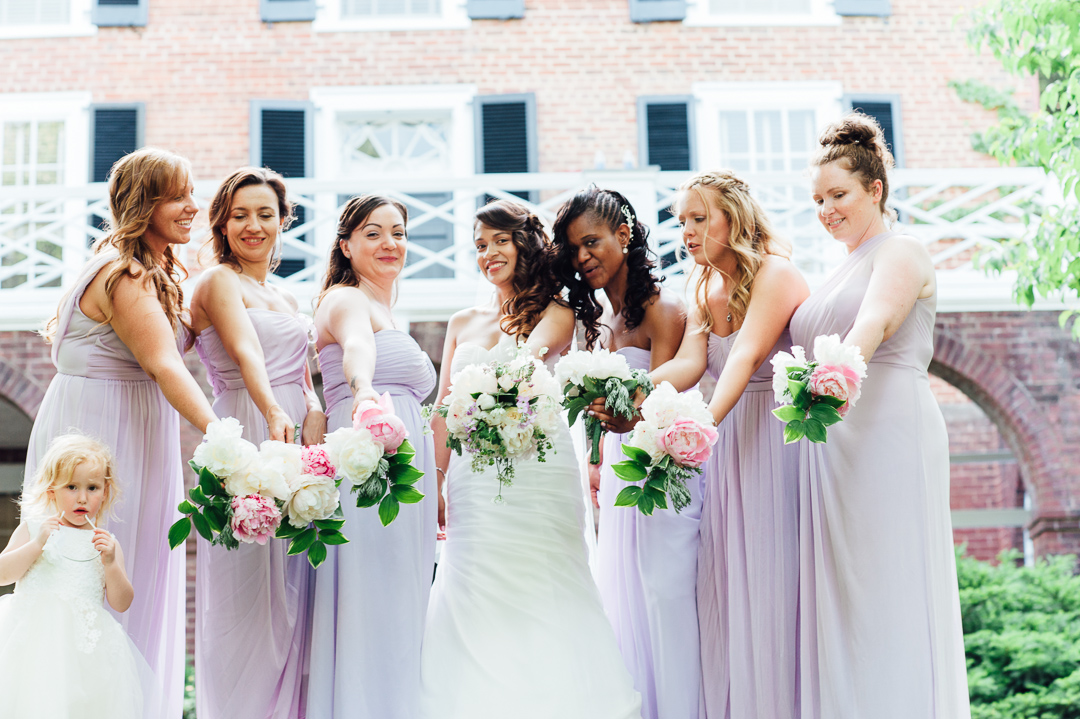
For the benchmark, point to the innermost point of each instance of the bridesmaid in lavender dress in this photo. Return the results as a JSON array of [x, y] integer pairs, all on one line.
[[252, 604], [371, 595], [880, 633], [646, 566], [121, 379], [747, 591]]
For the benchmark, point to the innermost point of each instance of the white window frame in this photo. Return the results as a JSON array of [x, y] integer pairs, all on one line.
[[822, 13], [79, 25], [454, 16]]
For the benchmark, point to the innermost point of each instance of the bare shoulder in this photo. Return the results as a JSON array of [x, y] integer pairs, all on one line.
[[779, 269], [558, 312], [215, 279], [665, 304], [345, 296], [900, 245]]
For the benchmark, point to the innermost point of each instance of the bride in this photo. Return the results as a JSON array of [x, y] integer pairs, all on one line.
[[515, 627]]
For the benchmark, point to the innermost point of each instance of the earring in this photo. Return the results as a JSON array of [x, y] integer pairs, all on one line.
[[624, 250]]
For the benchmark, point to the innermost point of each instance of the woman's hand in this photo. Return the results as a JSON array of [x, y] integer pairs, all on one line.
[[313, 430], [105, 543], [49, 526], [280, 426], [611, 422]]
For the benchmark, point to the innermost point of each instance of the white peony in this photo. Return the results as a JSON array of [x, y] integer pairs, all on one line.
[[828, 349], [475, 378], [313, 497], [259, 477], [781, 362], [644, 437], [598, 364], [224, 450], [485, 402], [287, 457], [354, 452], [664, 405], [517, 440]]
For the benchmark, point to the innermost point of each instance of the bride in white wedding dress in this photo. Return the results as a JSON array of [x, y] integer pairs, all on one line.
[[515, 627]]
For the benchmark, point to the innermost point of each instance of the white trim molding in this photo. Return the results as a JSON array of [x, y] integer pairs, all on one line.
[[700, 13], [78, 25], [453, 15]]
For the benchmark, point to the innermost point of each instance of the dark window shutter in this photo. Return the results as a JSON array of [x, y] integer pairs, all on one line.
[[119, 13], [657, 10], [506, 135], [495, 9], [878, 8], [116, 131], [882, 111], [287, 10], [667, 134], [281, 140]]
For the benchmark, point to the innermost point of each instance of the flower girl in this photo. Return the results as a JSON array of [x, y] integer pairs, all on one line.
[[61, 654]]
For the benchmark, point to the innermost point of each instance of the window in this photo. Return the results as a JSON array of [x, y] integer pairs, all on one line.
[[506, 136], [886, 110], [338, 15], [119, 13], [761, 12], [45, 18]]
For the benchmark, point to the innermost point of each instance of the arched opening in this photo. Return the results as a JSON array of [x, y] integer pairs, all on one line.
[[15, 426]]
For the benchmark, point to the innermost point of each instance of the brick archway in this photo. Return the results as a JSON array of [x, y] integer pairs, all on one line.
[[20, 388]]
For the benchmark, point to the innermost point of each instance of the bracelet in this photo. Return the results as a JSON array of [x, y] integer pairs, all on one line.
[[441, 471]]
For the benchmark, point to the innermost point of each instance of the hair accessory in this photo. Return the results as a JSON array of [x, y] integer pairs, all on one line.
[[629, 218]]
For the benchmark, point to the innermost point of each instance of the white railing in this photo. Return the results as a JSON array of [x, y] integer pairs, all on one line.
[[45, 231]]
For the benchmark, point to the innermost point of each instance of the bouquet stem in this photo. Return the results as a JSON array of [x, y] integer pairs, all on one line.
[[596, 433]]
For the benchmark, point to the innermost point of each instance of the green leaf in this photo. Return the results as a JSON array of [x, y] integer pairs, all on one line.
[[178, 532], [186, 507], [629, 471], [216, 517], [406, 494], [210, 484], [575, 407], [404, 474], [331, 537], [788, 413], [824, 414], [329, 524], [405, 453], [202, 526], [793, 431], [645, 504], [388, 509], [830, 401], [286, 530], [316, 554], [657, 496], [302, 541], [628, 497], [636, 454], [815, 431], [197, 496]]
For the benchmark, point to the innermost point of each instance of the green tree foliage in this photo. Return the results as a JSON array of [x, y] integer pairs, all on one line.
[[1022, 634], [1036, 38]]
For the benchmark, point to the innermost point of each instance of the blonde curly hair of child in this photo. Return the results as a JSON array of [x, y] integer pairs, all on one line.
[[56, 468]]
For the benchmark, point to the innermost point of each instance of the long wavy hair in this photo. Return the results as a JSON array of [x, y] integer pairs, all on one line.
[[858, 145], [339, 271], [138, 183], [534, 286], [221, 205], [751, 238], [642, 284], [64, 453]]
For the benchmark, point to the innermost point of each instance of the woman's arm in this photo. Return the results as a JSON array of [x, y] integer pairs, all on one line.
[[438, 424], [313, 430], [220, 297], [140, 322], [554, 332], [22, 550], [902, 273], [348, 322]]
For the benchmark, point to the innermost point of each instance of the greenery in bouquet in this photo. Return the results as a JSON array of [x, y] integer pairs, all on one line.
[[818, 393]]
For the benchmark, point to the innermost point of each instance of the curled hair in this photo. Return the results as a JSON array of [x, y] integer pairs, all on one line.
[[339, 271], [138, 183], [221, 205], [534, 287], [750, 238], [857, 143], [56, 468], [642, 285]]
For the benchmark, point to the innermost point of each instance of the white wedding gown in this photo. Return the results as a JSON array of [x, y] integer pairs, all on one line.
[[515, 627]]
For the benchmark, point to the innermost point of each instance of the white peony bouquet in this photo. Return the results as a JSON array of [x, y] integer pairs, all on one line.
[[817, 393], [502, 412], [245, 492], [588, 376], [672, 441]]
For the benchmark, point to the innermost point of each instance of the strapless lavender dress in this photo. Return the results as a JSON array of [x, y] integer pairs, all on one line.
[[252, 604], [647, 574], [100, 390], [371, 595]]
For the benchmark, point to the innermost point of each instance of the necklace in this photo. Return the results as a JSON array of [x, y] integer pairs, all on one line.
[[729, 317]]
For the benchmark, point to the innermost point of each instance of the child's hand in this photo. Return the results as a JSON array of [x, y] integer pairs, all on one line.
[[49, 526], [105, 543]]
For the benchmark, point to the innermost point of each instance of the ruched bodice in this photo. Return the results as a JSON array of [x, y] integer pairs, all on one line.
[[402, 369], [720, 350], [284, 339]]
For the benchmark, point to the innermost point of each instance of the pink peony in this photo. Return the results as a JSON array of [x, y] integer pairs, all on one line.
[[688, 441], [836, 380], [378, 418], [254, 518], [316, 461]]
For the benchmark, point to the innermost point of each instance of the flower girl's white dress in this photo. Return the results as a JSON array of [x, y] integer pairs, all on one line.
[[515, 627], [62, 655]]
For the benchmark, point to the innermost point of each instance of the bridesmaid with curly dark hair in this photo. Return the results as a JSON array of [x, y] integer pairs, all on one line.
[[646, 566]]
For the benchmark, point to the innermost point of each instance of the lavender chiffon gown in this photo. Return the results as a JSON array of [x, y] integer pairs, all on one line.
[[101, 391], [647, 574], [371, 595], [748, 565], [252, 604], [881, 633]]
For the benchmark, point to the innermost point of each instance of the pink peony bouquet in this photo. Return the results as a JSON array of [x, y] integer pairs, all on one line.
[[817, 393], [668, 446], [251, 494], [376, 458]]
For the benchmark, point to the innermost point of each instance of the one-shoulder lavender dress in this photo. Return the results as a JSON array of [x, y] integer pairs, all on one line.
[[647, 573], [252, 604], [100, 390], [748, 566], [371, 595], [881, 634]]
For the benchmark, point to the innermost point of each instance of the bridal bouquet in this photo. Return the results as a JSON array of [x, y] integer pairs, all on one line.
[[502, 412], [246, 493], [376, 458], [819, 392], [668, 446], [588, 376]]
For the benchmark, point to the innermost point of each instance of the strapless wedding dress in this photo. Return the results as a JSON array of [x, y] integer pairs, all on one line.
[[515, 626]]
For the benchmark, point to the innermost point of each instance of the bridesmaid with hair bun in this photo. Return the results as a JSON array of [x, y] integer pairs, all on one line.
[[880, 620]]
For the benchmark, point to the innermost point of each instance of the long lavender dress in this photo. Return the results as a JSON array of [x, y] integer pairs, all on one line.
[[100, 390], [748, 566], [647, 573], [371, 595], [881, 634], [252, 604]]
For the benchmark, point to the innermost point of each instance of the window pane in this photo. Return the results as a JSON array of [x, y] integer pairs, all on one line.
[[734, 140], [759, 7], [35, 12], [377, 8]]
